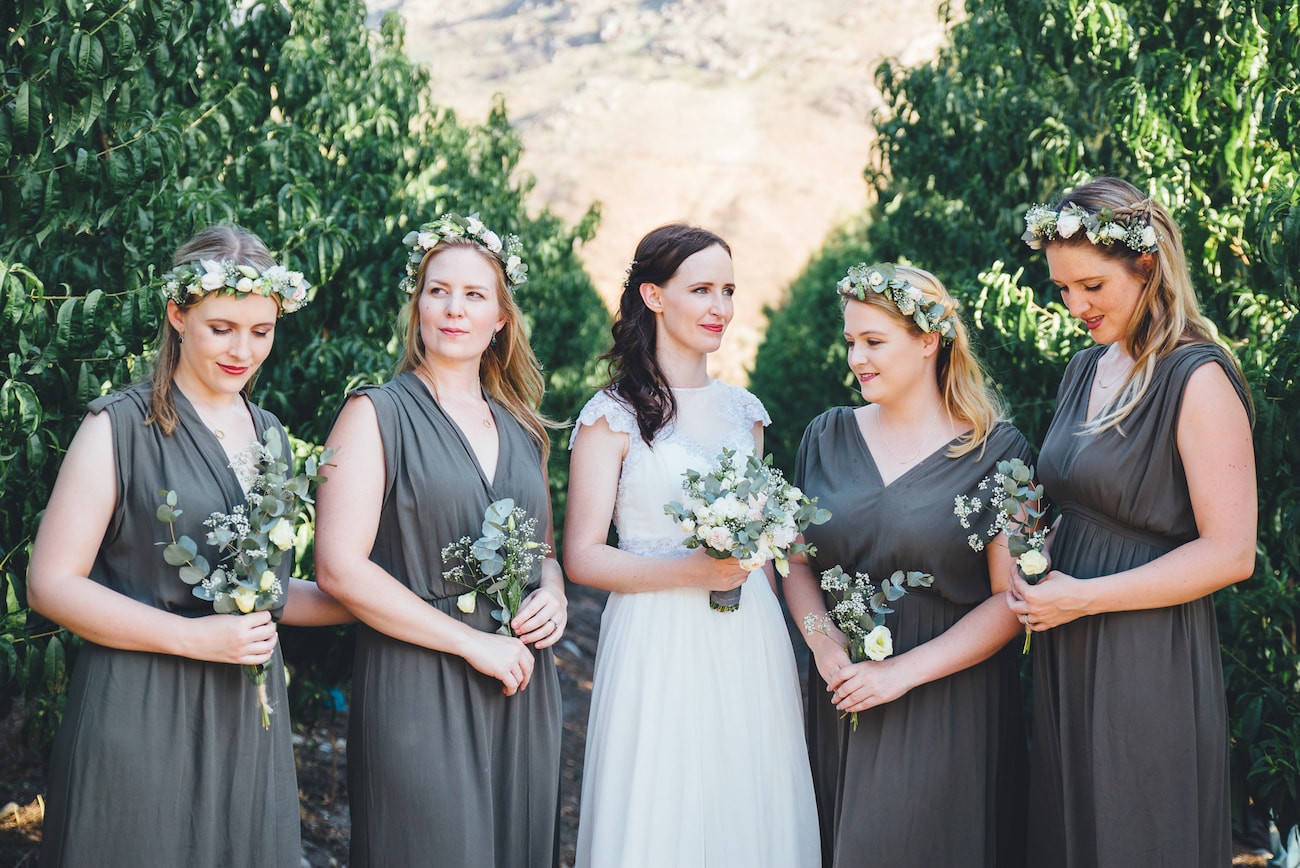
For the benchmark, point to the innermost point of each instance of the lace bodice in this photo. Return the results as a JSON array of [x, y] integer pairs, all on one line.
[[708, 418]]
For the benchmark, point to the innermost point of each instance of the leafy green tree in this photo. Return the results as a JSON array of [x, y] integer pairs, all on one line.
[[126, 125], [1197, 101]]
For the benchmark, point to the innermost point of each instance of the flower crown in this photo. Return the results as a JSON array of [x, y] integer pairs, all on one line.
[[1043, 222], [450, 226], [910, 301], [202, 276]]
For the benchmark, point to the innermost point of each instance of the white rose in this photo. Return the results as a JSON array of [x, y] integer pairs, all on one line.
[[793, 494], [268, 581], [512, 264], [214, 277], [719, 539], [1149, 237], [753, 563], [688, 527], [244, 285], [1114, 231], [465, 602], [1032, 563], [282, 534], [1068, 224], [427, 239], [492, 241], [245, 598], [474, 225], [783, 537], [878, 644], [702, 513]]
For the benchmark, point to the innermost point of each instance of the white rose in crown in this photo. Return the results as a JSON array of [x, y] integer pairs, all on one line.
[[492, 241], [1032, 563], [1148, 237], [427, 239], [213, 276], [1068, 224], [878, 644]]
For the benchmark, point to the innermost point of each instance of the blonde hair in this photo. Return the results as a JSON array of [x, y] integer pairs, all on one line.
[[223, 243], [963, 386], [509, 371], [1167, 315]]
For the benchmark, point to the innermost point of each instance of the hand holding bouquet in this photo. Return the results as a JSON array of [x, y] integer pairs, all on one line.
[[1020, 506], [859, 612], [744, 509], [252, 539], [500, 564]]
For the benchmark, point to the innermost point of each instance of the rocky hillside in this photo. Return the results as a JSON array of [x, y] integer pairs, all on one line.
[[749, 117]]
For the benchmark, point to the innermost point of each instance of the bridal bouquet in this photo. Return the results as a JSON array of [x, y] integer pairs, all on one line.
[[253, 539], [859, 612], [500, 564], [744, 509], [1020, 506]]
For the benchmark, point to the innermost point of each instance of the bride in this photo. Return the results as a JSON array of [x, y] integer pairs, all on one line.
[[695, 746]]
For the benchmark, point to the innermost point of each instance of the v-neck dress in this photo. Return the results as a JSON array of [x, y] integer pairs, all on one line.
[[1130, 732], [162, 760], [935, 777], [443, 768]]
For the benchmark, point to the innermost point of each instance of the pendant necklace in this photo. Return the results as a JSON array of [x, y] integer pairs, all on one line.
[[920, 443]]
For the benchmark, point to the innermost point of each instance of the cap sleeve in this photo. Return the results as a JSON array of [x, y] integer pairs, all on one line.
[[616, 415], [747, 409]]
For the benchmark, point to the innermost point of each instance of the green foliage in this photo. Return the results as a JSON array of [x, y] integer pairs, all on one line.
[[1198, 103], [127, 125]]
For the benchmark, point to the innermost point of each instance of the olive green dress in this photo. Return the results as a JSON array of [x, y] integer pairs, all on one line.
[[1130, 732], [443, 768], [162, 760], [935, 777]]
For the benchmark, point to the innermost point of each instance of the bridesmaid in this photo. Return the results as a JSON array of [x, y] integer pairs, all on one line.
[[161, 758], [454, 735], [1149, 460], [932, 773]]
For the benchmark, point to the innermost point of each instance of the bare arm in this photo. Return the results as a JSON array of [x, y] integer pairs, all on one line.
[[803, 595], [309, 606], [347, 521], [59, 584], [976, 636], [1215, 444], [594, 471]]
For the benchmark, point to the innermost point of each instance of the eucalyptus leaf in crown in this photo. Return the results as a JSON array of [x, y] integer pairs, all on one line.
[[252, 539], [747, 510], [1044, 223], [508, 250], [883, 279], [287, 288]]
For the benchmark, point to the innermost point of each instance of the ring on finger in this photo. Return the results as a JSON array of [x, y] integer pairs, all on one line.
[[554, 625]]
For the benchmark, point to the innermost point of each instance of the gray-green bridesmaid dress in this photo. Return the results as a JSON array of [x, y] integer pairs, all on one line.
[[443, 768], [1130, 732], [162, 760], [935, 777]]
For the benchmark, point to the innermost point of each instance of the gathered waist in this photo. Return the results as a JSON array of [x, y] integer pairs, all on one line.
[[1114, 526]]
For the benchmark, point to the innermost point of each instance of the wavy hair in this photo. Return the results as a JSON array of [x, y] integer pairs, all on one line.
[[509, 370], [963, 385], [1167, 315], [225, 242], [635, 376]]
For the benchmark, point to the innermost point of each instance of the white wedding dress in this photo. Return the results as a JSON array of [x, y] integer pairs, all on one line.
[[695, 746]]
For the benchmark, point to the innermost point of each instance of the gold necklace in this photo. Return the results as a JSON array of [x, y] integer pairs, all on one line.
[[880, 428]]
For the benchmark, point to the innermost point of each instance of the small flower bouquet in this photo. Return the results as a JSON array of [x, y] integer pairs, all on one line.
[[859, 612], [744, 509], [500, 564], [1020, 506], [253, 539]]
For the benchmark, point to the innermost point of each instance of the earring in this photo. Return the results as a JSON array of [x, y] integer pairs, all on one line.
[[494, 339], [180, 339]]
